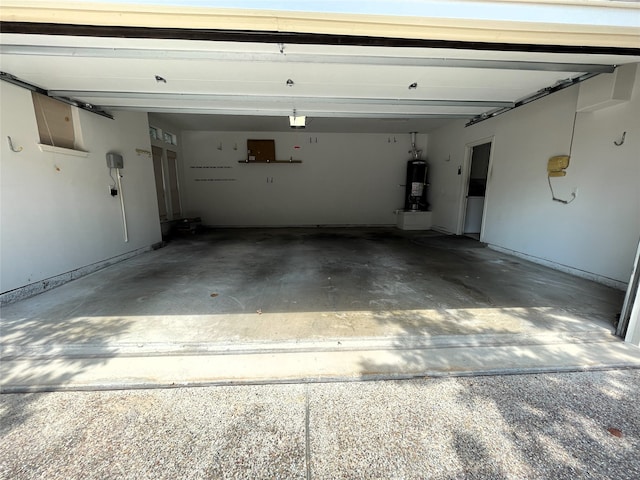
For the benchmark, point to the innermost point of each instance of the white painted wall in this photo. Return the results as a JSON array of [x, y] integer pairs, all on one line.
[[345, 179], [56, 214], [597, 234]]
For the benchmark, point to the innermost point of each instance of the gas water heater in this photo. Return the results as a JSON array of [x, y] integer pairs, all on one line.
[[415, 198], [416, 186]]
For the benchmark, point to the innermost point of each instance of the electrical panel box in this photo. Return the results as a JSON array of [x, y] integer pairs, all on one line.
[[261, 150], [114, 160]]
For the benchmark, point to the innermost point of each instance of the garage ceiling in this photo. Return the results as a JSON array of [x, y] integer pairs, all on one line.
[[256, 85]]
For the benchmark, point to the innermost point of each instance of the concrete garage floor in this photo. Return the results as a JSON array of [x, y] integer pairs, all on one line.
[[273, 305]]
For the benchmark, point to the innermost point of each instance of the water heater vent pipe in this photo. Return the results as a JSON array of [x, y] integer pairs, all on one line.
[[415, 153]]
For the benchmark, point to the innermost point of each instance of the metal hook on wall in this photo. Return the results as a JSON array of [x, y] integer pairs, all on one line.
[[617, 144], [13, 149]]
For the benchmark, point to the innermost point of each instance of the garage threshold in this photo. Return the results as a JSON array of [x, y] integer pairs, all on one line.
[[299, 305]]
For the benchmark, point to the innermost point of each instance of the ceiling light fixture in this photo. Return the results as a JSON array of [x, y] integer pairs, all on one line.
[[297, 122]]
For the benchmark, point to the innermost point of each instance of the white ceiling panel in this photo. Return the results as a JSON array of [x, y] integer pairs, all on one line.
[[243, 80], [261, 78], [239, 123]]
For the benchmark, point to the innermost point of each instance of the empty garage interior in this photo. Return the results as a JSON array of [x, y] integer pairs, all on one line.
[[145, 241]]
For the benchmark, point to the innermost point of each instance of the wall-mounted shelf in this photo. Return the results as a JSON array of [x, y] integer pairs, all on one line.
[[64, 151], [272, 161]]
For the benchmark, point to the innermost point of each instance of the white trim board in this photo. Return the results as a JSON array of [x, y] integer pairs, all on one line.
[[610, 282], [310, 225], [63, 151], [585, 23]]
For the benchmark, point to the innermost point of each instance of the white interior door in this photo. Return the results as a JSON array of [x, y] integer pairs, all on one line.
[[476, 188], [159, 176], [174, 191]]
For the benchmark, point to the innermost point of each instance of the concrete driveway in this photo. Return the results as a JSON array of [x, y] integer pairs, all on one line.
[[547, 426]]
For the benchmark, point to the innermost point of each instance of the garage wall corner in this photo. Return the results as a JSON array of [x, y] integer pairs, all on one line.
[[594, 236], [58, 217]]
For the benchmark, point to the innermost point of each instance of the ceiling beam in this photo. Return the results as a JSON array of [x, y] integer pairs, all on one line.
[[206, 110], [359, 59], [578, 24], [610, 44], [253, 99]]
